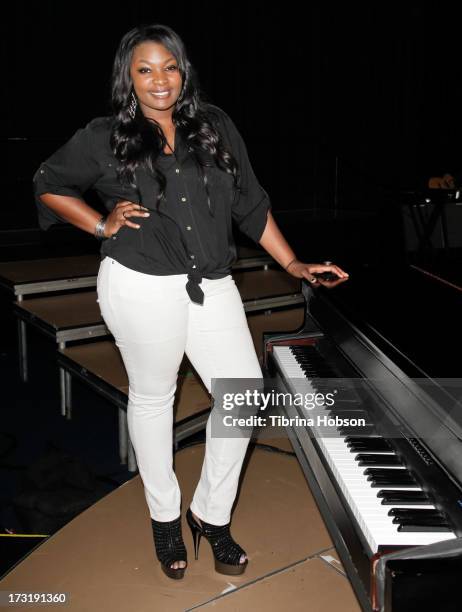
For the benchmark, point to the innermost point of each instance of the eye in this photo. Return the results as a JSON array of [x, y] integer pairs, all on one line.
[[173, 66], [142, 70]]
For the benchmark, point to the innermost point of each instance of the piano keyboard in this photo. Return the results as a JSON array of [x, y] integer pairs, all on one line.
[[387, 502]]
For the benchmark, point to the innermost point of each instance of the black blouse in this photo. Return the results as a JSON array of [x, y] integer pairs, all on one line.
[[183, 238]]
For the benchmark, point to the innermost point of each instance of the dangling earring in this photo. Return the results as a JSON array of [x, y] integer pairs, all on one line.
[[132, 106]]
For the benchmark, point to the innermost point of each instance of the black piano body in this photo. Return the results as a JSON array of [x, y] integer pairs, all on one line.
[[419, 566]]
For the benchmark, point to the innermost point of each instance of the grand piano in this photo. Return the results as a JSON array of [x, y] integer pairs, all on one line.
[[390, 491]]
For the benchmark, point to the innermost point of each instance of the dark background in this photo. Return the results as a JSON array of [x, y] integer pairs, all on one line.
[[338, 106]]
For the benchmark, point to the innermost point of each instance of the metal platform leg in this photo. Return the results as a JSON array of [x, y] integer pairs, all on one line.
[[68, 393], [126, 451], [62, 383], [123, 436], [132, 465], [22, 350]]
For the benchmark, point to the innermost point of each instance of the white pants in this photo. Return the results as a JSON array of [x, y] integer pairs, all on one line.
[[154, 323]]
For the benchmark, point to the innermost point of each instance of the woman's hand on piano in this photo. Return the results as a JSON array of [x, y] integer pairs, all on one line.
[[327, 273]]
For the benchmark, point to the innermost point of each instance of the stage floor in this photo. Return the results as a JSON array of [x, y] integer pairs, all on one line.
[[104, 558]]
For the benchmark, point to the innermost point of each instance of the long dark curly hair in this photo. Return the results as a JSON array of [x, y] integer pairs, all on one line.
[[138, 141]]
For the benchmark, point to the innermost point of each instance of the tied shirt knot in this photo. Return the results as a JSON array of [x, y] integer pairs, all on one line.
[[192, 287]]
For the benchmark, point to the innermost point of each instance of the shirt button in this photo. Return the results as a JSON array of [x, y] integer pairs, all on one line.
[[42, 171], [183, 199], [194, 265], [177, 170], [188, 227], [192, 256]]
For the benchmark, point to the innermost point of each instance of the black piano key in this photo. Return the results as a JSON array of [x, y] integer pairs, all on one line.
[[391, 473], [434, 518], [391, 478], [367, 440], [309, 364], [314, 372], [426, 517], [320, 370], [342, 408], [346, 431], [382, 460], [367, 424], [312, 363], [437, 521], [379, 483], [372, 448], [367, 430], [316, 366], [424, 528], [414, 512], [311, 356], [315, 363], [390, 481], [424, 501], [350, 414], [368, 443], [304, 349], [303, 353], [391, 497]]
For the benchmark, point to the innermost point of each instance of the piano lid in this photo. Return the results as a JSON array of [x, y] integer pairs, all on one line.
[[407, 313], [397, 327]]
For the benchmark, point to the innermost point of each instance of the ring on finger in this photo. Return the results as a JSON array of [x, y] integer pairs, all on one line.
[[327, 263]]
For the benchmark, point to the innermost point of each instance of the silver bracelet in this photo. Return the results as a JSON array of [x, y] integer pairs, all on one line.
[[99, 228]]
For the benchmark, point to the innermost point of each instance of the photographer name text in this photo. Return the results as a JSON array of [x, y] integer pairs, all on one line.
[[283, 421]]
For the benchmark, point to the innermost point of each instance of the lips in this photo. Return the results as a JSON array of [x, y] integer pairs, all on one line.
[[160, 94]]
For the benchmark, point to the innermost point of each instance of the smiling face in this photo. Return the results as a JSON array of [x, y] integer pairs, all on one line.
[[154, 70]]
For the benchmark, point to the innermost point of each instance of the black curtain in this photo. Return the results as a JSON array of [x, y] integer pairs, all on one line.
[[337, 105]]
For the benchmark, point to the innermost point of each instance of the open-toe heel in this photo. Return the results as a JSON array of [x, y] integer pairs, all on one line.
[[169, 546], [226, 551]]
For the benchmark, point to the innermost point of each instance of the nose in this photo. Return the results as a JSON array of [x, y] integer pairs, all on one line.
[[159, 78]]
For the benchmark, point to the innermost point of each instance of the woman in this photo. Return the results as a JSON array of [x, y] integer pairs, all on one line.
[[173, 172]]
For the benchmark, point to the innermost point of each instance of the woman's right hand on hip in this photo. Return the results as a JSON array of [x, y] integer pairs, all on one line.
[[120, 216]]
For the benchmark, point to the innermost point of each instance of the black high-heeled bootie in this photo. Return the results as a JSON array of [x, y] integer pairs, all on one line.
[[169, 546], [226, 551]]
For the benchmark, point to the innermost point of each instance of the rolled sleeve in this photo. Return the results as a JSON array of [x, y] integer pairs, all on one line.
[[251, 204], [70, 171], [252, 219]]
